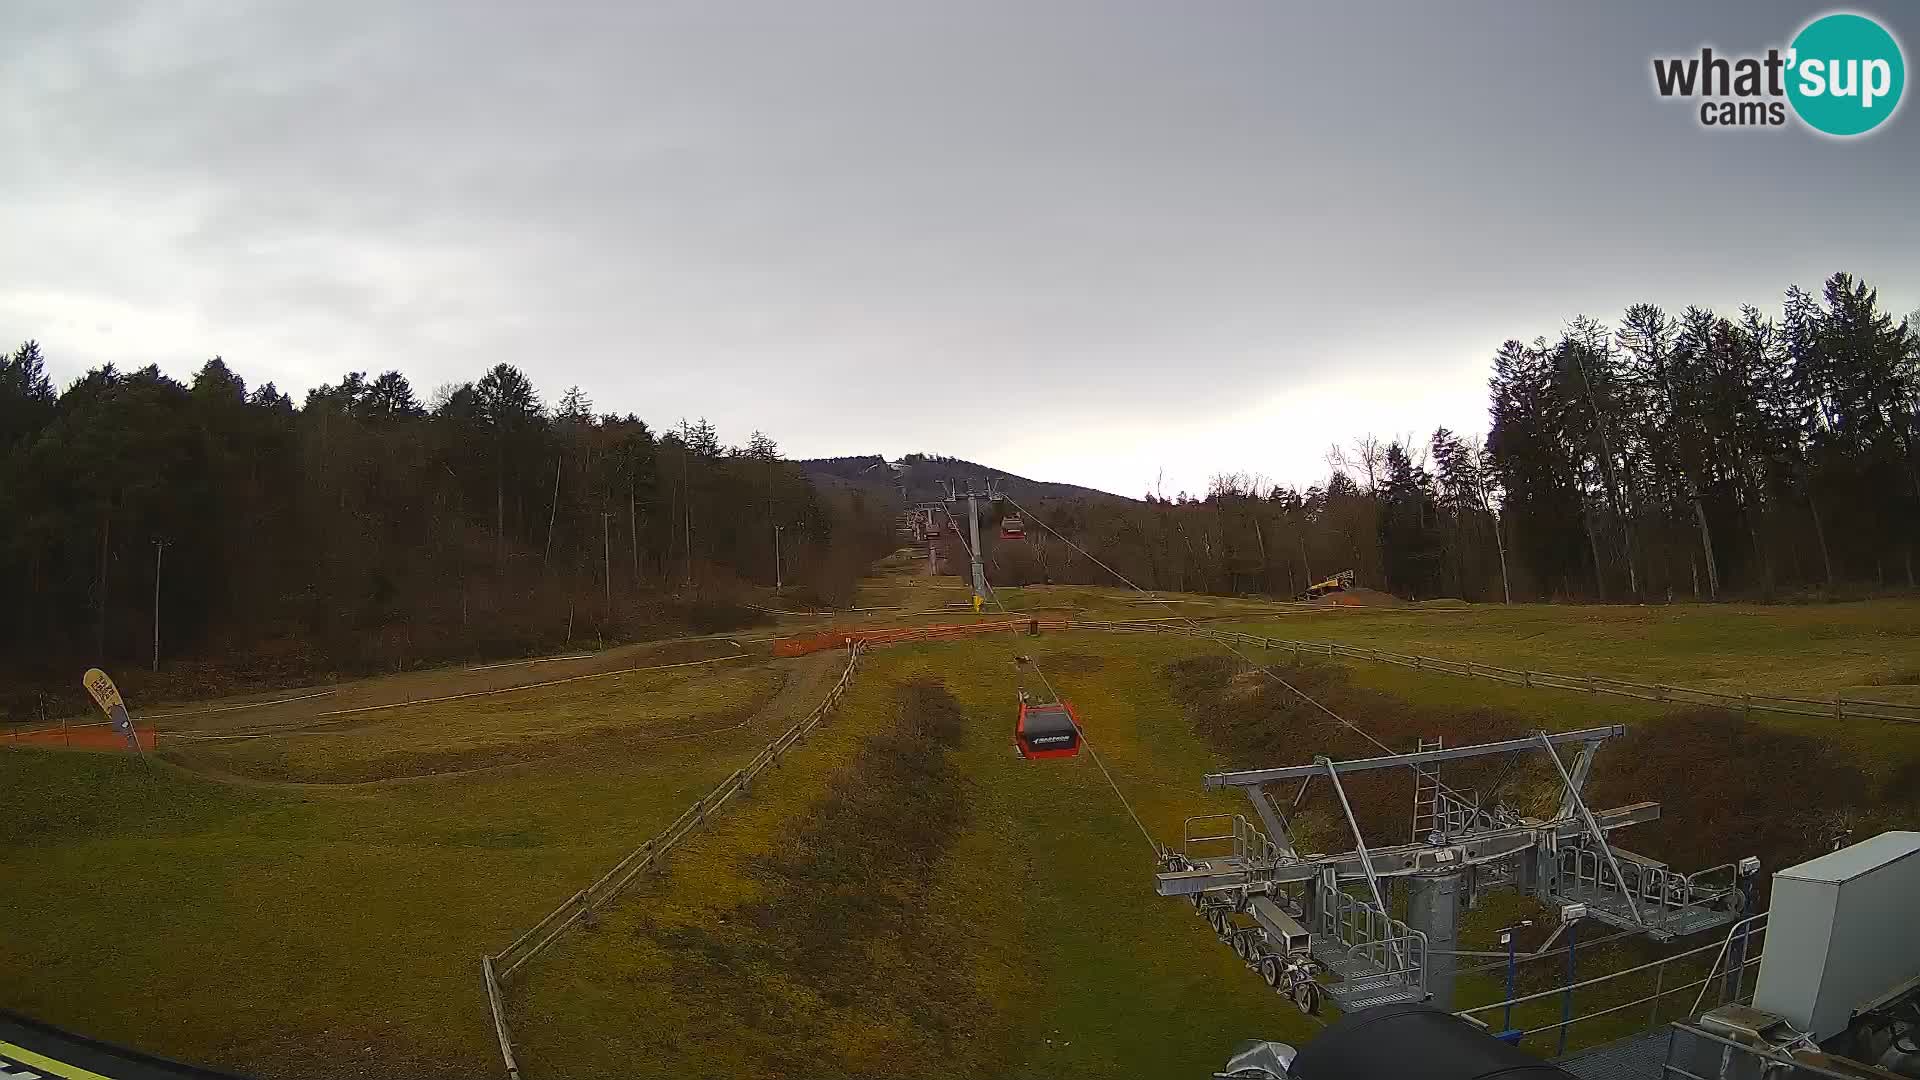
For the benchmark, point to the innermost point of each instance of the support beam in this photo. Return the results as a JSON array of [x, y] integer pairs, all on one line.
[[1577, 781], [1360, 849], [1599, 834], [1273, 819], [1400, 860], [1433, 908], [1254, 777]]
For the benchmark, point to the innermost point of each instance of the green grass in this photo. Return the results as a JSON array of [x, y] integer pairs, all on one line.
[[1049, 887], [1853, 649], [1729, 647], [305, 933], [624, 710], [295, 932]]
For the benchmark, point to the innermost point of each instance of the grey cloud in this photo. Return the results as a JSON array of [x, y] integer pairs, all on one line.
[[818, 219]]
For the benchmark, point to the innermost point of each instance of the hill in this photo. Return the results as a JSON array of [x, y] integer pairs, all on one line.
[[925, 478]]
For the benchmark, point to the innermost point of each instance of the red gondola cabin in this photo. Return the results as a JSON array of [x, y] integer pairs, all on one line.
[[1012, 528], [1047, 731]]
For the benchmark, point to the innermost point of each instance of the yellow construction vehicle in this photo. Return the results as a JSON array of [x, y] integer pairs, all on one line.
[[1339, 582]]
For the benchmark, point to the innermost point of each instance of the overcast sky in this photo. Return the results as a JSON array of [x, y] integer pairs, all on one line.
[[1081, 242]]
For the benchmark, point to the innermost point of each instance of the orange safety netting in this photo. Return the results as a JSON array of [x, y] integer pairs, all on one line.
[[838, 639], [80, 737]]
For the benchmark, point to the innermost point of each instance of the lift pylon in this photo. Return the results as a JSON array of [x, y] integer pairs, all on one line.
[[1347, 932], [973, 499]]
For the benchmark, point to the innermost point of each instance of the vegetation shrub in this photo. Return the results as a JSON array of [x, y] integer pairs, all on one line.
[[1254, 720], [714, 616], [840, 933], [1728, 787]]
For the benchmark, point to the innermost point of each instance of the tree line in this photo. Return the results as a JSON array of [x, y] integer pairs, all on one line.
[[365, 529], [1666, 456]]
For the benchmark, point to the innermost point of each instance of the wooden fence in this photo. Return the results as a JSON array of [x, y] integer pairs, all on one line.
[[1837, 708], [497, 968], [837, 639], [97, 736]]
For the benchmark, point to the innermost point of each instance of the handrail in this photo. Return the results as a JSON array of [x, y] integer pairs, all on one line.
[[1599, 978], [1623, 1005], [1725, 945], [1762, 1052]]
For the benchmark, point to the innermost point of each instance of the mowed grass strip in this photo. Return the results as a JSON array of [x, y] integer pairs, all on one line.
[[1822, 648], [1029, 942], [1860, 650], [303, 933], [622, 712], [615, 998]]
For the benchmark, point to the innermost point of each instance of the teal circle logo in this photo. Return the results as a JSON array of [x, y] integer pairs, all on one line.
[[1845, 74]]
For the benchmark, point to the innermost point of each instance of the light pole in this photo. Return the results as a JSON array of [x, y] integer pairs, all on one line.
[[777, 585]]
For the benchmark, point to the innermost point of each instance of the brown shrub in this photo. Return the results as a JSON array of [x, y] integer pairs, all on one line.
[[1727, 787]]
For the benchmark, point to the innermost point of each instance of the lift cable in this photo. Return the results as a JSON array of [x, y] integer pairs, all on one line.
[[1028, 515], [1264, 669], [994, 595]]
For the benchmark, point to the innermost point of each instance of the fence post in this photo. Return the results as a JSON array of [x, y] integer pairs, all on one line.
[[1591, 688], [1526, 678], [1659, 692], [1659, 982], [1746, 706]]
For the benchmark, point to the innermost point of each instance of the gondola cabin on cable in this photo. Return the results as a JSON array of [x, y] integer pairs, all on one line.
[[1012, 528], [1050, 730]]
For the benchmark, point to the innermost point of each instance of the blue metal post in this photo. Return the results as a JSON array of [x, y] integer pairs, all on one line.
[[1566, 999], [1506, 1024]]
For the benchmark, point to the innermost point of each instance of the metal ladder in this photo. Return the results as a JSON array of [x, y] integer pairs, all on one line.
[[1426, 794]]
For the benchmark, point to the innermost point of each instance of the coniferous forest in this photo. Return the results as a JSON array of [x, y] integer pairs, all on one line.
[[364, 529], [1763, 455]]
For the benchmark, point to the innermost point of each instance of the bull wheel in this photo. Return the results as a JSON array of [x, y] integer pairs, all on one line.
[[1306, 997], [1270, 971]]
